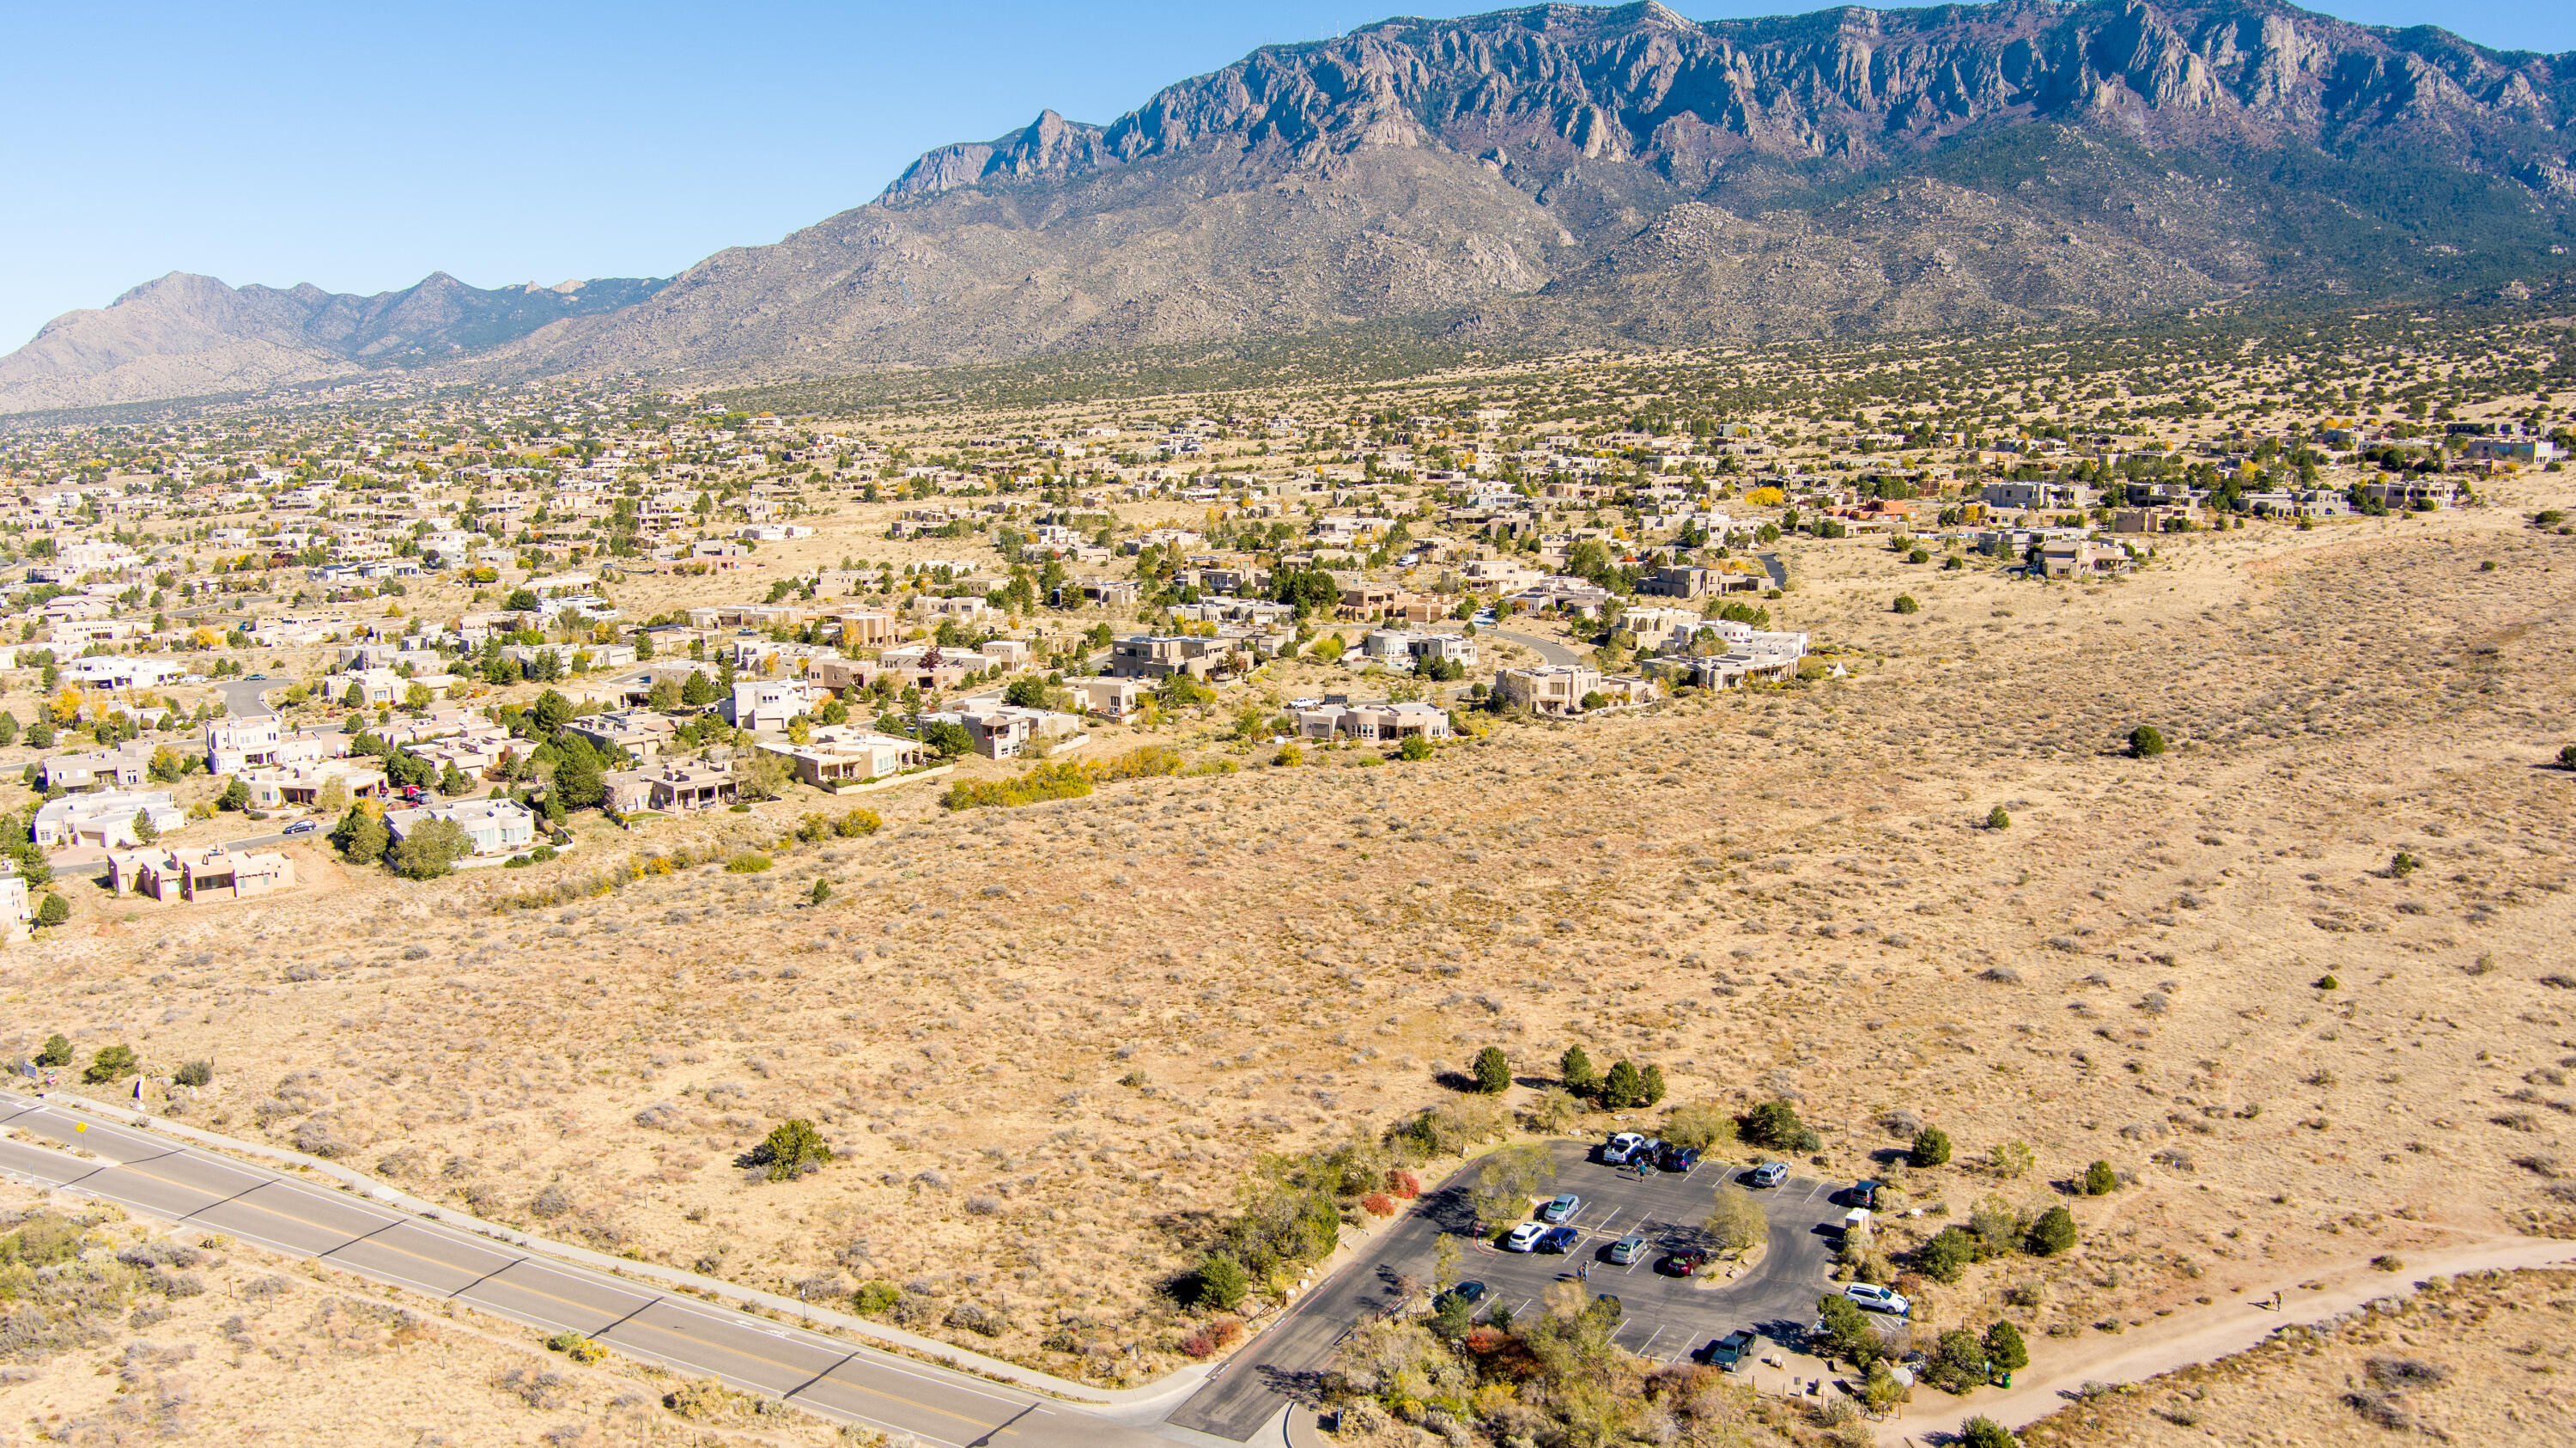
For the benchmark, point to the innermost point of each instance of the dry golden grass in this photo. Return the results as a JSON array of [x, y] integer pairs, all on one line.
[[2481, 1359], [1771, 893], [229, 1344]]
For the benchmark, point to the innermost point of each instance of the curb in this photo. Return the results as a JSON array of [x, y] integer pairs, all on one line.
[[961, 1359]]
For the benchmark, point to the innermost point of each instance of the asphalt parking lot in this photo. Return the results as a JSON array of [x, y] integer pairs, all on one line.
[[1663, 1317], [1666, 1317]]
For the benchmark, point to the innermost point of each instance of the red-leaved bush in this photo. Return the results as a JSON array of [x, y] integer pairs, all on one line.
[[1376, 1204], [1212, 1337], [1403, 1185]]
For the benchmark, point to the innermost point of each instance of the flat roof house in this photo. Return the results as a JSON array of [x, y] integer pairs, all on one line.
[[836, 755], [1111, 698], [1159, 656], [105, 819], [1548, 688], [768, 704], [123, 767], [672, 787], [212, 873], [492, 826], [639, 732], [2080, 558]]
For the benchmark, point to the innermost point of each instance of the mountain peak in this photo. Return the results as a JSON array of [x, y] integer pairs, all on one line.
[[1560, 173]]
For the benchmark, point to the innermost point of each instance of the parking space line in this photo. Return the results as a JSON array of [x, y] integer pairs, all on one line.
[[1811, 1193], [1650, 1342], [1524, 1307], [1606, 1221]]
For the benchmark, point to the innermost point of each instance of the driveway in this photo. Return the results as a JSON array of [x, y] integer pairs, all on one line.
[[1549, 650], [1664, 1317]]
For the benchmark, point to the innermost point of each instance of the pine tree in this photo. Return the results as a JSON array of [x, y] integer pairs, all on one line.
[[2053, 1233], [1493, 1071], [1623, 1087], [1579, 1074], [2005, 1351]]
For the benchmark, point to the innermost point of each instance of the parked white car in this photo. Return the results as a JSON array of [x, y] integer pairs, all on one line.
[[1524, 1238], [1878, 1299]]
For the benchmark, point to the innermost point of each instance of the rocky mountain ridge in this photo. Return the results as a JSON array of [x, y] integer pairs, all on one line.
[[1564, 173], [184, 335]]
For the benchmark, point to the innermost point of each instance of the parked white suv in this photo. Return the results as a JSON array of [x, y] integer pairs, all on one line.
[[1878, 1299], [1524, 1238]]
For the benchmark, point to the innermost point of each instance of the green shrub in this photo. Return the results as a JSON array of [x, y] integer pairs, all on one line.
[[1493, 1071], [2146, 742], [1996, 819], [792, 1149], [1222, 1282], [2053, 1233], [1847, 1333], [1931, 1147], [1775, 1124], [57, 1051], [111, 1064], [1957, 1362], [194, 1073], [747, 864], [2100, 1180], [2005, 1352], [1415, 747], [1986, 1433], [54, 911], [1905, 604], [874, 1297], [1947, 1254]]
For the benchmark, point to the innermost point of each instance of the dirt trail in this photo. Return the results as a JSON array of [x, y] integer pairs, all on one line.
[[2218, 1331]]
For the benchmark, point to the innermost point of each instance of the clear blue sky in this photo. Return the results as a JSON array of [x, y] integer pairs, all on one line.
[[362, 146]]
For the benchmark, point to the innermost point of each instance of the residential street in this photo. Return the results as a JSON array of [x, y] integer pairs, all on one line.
[[166, 1178], [1549, 650], [241, 696], [1665, 1317]]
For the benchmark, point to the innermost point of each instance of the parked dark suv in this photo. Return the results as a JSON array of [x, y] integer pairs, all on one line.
[[1678, 1158]]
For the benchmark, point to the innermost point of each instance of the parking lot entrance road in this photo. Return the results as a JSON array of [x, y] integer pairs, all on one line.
[[1663, 1317]]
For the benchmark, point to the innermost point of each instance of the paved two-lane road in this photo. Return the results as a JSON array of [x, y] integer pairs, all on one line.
[[169, 1179]]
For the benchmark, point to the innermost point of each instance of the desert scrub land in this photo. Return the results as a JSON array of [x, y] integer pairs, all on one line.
[[1045, 1044], [116, 1331], [2473, 1359]]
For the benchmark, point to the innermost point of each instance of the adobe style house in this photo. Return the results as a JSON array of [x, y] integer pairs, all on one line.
[[212, 873], [1549, 688], [1376, 721], [492, 826], [1110, 698], [839, 754], [671, 787], [2081, 558]]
